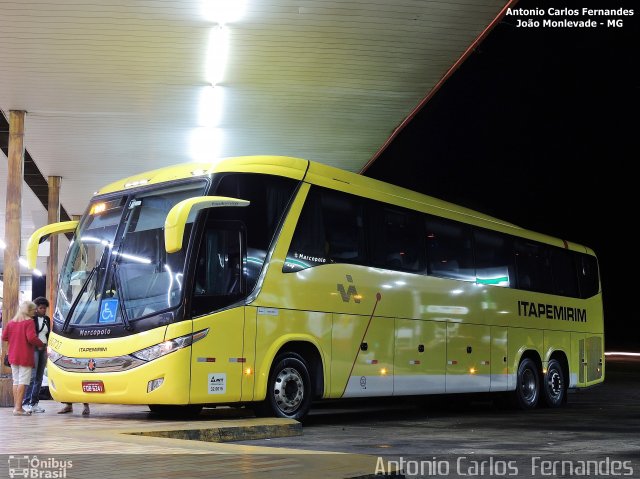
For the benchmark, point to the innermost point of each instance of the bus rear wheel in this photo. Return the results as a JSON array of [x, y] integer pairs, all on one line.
[[554, 388], [289, 389], [527, 391], [168, 410]]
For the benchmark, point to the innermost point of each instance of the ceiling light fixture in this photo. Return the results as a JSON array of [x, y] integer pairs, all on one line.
[[206, 144], [217, 53], [210, 106], [224, 11]]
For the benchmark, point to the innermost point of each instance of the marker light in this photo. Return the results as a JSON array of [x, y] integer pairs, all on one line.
[[139, 182], [98, 208]]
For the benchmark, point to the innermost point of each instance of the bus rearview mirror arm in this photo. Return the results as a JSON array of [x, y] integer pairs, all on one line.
[[41, 234], [178, 216]]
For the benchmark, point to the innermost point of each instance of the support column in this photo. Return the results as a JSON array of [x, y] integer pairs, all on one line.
[[52, 262], [12, 227]]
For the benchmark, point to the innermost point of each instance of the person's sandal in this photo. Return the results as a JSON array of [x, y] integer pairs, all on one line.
[[66, 409], [21, 413]]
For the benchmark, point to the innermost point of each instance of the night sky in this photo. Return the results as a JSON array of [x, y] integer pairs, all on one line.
[[540, 127]]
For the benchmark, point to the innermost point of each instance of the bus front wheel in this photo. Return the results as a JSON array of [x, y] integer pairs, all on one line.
[[554, 389], [289, 389], [527, 390]]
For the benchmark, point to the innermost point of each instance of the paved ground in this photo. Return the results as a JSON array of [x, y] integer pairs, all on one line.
[[603, 419], [346, 439]]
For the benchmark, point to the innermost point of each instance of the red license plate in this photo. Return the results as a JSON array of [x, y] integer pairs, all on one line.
[[92, 386]]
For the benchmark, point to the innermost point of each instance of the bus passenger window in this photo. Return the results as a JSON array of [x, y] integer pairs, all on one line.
[[587, 274], [396, 237], [343, 225], [533, 267], [565, 280], [449, 252], [308, 246], [330, 230], [495, 264]]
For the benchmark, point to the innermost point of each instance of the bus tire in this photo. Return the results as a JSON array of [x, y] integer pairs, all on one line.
[[554, 385], [289, 391], [168, 410], [527, 391]]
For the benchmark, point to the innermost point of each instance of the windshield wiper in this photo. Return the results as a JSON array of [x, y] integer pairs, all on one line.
[[76, 301], [74, 305], [123, 310]]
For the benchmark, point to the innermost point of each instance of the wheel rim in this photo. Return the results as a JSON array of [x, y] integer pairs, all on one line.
[[528, 386], [554, 384], [288, 390]]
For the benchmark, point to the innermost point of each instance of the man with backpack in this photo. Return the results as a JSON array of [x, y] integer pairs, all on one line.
[[42, 323]]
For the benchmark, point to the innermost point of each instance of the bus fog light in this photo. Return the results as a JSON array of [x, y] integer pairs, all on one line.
[[154, 384]]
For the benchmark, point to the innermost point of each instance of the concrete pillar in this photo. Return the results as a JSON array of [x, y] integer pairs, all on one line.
[[12, 226], [52, 262]]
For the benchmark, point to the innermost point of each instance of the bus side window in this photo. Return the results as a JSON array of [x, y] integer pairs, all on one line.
[[565, 280], [495, 264], [449, 252], [218, 279], [533, 267], [344, 227], [587, 267], [396, 237], [308, 247]]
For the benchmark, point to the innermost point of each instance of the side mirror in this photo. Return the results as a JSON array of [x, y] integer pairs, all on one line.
[[178, 215], [41, 234]]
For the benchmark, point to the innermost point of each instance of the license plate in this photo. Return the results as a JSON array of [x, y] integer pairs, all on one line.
[[92, 386]]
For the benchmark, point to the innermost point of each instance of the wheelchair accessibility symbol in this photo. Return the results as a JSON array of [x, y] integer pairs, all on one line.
[[108, 311]]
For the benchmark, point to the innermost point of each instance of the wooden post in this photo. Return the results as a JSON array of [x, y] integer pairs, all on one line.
[[52, 263], [12, 227]]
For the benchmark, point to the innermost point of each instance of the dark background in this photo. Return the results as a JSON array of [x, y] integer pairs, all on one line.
[[539, 126]]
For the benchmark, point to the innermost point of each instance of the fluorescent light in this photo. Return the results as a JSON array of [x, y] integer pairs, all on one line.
[[37, 272], [217, 54], [206, 144], [210, 106], [223, 11], [3, 245], [23, 262]]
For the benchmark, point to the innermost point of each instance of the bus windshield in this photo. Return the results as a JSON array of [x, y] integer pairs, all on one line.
[[117, 269]]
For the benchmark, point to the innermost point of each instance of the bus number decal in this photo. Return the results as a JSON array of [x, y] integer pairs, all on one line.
[[217, 383]]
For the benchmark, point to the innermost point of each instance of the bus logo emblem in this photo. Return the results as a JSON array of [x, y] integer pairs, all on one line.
[[91, 365], [350, 291]]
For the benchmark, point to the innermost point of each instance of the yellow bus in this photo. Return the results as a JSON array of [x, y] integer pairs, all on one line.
[[275, 282]]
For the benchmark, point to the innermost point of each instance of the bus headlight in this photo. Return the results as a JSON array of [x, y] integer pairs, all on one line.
[[158, 350]]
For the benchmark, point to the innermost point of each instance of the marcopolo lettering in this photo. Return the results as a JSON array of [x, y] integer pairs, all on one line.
[[551, 311]]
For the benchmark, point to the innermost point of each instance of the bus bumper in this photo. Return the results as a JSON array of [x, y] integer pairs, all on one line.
[[126, 387]]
